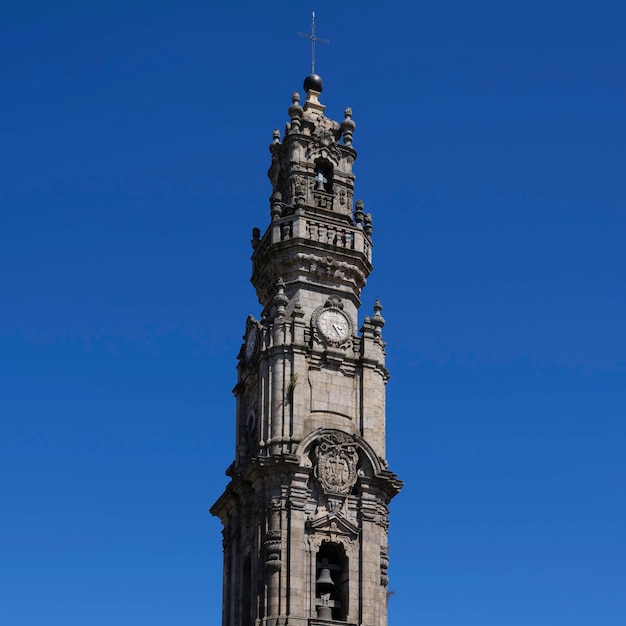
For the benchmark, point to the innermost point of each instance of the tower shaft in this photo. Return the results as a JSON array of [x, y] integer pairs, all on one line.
[[305, 514]]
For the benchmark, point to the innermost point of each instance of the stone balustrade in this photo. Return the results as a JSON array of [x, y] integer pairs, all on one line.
[[320, 231]]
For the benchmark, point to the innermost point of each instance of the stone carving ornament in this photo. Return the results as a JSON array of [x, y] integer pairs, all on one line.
[[273, 542], [298, 190], [384, 565], [273, 546], [337, 460]]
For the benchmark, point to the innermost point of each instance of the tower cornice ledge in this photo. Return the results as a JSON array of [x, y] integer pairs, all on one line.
[[308, 265]]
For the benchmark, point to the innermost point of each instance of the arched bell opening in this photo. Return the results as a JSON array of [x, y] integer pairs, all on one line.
[[332, 584], [323, 180]]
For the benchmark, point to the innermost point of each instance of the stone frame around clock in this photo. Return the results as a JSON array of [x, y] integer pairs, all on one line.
[[319, 334]]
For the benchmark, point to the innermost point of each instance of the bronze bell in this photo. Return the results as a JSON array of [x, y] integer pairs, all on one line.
[[324, 577]]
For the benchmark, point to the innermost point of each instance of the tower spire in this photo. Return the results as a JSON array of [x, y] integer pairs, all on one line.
[[313, 39]]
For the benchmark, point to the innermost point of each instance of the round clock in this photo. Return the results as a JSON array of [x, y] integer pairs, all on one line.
[[251, 343], [334, 325]]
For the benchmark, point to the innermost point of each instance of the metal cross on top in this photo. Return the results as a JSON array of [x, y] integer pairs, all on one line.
[[313, 39]]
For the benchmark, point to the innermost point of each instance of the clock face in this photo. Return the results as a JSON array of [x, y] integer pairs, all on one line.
[[250, 343], [334, 325]]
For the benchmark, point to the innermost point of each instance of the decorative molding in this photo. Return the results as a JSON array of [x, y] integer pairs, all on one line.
[[384, 565], [333, 534], [381, 517], [273, 547], [329, 267]]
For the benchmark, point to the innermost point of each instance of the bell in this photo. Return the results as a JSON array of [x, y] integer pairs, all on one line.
[[324, 577], [320, 181], [324, 612]]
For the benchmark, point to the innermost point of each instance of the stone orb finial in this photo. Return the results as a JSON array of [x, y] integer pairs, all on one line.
[[313, 82]]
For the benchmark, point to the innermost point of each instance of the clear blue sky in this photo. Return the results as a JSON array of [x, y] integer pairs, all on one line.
[[134, 156]]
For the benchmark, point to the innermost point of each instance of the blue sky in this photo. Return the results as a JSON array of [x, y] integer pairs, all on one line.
[[491, 154]]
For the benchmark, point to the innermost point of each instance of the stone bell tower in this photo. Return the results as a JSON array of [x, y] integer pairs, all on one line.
[[305, 513]]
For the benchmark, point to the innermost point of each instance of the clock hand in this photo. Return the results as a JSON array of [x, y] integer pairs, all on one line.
[[338, 329]]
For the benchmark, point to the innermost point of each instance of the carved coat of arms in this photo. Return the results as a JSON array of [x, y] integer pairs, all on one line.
[[337, 459]]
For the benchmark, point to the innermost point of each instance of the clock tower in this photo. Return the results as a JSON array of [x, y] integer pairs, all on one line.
[[305, 514]]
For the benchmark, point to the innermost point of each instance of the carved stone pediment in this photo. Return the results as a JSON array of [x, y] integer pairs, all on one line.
[[324, 147], [334, 523]]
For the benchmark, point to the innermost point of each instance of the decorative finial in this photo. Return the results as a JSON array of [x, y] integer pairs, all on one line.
[[377, 320], [359, 215], [256, 238], [295, 113], [280, 300], [313, 39], [347, 127], [367, 224], [313, 82]]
